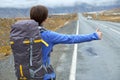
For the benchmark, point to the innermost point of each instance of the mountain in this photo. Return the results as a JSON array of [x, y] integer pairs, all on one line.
[[13, 12], [84, 7]]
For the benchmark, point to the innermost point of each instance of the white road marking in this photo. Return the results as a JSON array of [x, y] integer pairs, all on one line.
[[104, 26], [66, 22], [114, 30], [109, 28], [99, 25], [74, 58]]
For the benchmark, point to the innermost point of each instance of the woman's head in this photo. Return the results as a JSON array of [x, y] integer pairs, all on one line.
[[39, 13]]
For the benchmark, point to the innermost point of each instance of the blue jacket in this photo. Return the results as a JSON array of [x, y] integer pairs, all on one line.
[[53, 38]]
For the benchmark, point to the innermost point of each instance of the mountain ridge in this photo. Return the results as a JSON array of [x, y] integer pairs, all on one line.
[[84, 7]]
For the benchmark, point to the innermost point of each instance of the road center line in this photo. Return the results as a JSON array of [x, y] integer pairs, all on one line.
[[114, 30], [110, 29], [74, 58]]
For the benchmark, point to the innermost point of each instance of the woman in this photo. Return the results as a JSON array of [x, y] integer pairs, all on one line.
[[39, 13]]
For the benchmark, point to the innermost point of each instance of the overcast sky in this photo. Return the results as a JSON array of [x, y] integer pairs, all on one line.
[[51, 3]]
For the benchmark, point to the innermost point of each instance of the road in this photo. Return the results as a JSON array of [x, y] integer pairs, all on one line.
[[96, 60]]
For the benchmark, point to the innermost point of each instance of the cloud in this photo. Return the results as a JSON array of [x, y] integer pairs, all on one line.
[[51, 3], [54, 3]]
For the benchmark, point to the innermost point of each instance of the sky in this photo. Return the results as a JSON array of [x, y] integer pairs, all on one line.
[[51, 3]]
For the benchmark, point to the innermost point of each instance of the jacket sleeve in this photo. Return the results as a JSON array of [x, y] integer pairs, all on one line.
[[58, 38]]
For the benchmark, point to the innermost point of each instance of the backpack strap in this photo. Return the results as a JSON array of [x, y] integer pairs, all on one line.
[[22, 77], [31, 51], [35, 41], [42, 29]]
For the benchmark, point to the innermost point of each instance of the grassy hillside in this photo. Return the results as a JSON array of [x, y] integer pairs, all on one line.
[[53, 22]]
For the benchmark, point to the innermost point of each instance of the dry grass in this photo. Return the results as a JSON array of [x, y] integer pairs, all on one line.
[[52, 23], [113, 18], [110, 15], [55, 22]]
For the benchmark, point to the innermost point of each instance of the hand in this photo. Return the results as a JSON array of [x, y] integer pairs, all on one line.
[[99, 33]]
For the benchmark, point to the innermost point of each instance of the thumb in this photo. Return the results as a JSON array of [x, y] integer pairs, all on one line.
[[99, 33], [97, 30]]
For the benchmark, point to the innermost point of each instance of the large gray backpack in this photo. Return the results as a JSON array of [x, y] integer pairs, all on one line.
[[26, 43]]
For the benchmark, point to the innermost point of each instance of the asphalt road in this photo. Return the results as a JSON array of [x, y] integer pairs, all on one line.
[[96, 60]]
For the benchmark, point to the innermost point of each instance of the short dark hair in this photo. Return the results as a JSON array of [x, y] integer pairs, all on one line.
[[39, 13]]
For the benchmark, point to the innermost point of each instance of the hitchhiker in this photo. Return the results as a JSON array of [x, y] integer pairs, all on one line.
[[32, 44]]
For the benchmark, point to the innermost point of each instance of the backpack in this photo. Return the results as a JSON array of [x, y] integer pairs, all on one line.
[[25, 40]]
